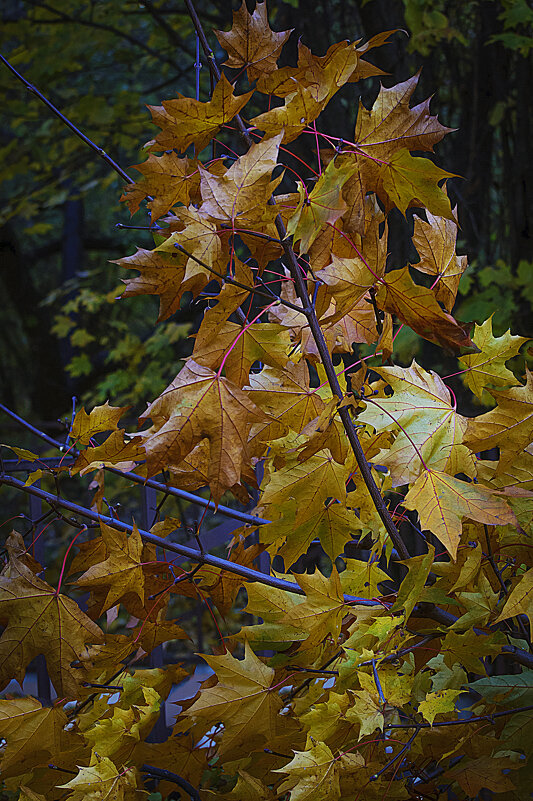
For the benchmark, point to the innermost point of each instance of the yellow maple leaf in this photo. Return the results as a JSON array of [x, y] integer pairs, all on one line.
[[520, 600], [486, 370], [429, 431], [313, 774], [32, 734], [437, 703], [101, 418], [442, 501], [435, 243], [509, 427], [101, 780], [242, 700]]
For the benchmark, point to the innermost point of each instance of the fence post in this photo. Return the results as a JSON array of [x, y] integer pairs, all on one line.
[[160, 731], [44, 691]]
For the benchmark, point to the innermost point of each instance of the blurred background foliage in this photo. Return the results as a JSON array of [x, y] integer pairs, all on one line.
[[63, 331]]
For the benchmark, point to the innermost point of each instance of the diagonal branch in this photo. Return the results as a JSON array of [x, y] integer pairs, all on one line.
[[424, 609], [225, 511], [99, 150], [183, 550]]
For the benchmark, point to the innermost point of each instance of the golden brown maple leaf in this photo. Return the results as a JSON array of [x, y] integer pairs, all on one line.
[[435, 243], [185, 121], [251, 43], [242, 700], [168, 179], [416, 306], [121, 571], [201, 404], [509, 427], [39, 620]]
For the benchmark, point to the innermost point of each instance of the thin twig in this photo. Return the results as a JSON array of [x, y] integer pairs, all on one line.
[[402, 751], [504, 713], [229, 280], [99, 150]]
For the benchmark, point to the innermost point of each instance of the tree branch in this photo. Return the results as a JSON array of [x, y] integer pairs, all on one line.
[[225, 511], [99, 150], [425, 609], [168, 776], [504, 713], [183, 550]]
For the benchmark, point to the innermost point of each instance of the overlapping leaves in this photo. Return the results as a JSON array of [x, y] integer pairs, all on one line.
[[285, 274]]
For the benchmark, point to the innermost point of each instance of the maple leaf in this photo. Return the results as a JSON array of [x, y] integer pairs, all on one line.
[[324, 204], [333, 525], [39, 620], [430, 430], [392, 125], [101, 418], [167, 180], [435, 242], [159, 275], [251, 43], [272, 605], [468, 650], [313, 774], [287, 395], [412, 181], [300, 109], [115, 451], [416, 306], [185, 121], [320, 615], [366, 712], [121, 571], [240, 347], [437, 703], [242, 700], [241, 194], [201, 404], [520, 600], [310, 484], [508, 427], [101, 780], [322, 75], [486, 370], [442, 501], [200, 238], [248, 788], [32, 734]]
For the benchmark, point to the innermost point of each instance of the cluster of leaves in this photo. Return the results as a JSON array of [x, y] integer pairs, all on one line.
[[366, 677]]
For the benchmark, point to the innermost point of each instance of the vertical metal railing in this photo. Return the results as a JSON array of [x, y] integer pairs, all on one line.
[[44, 689]]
